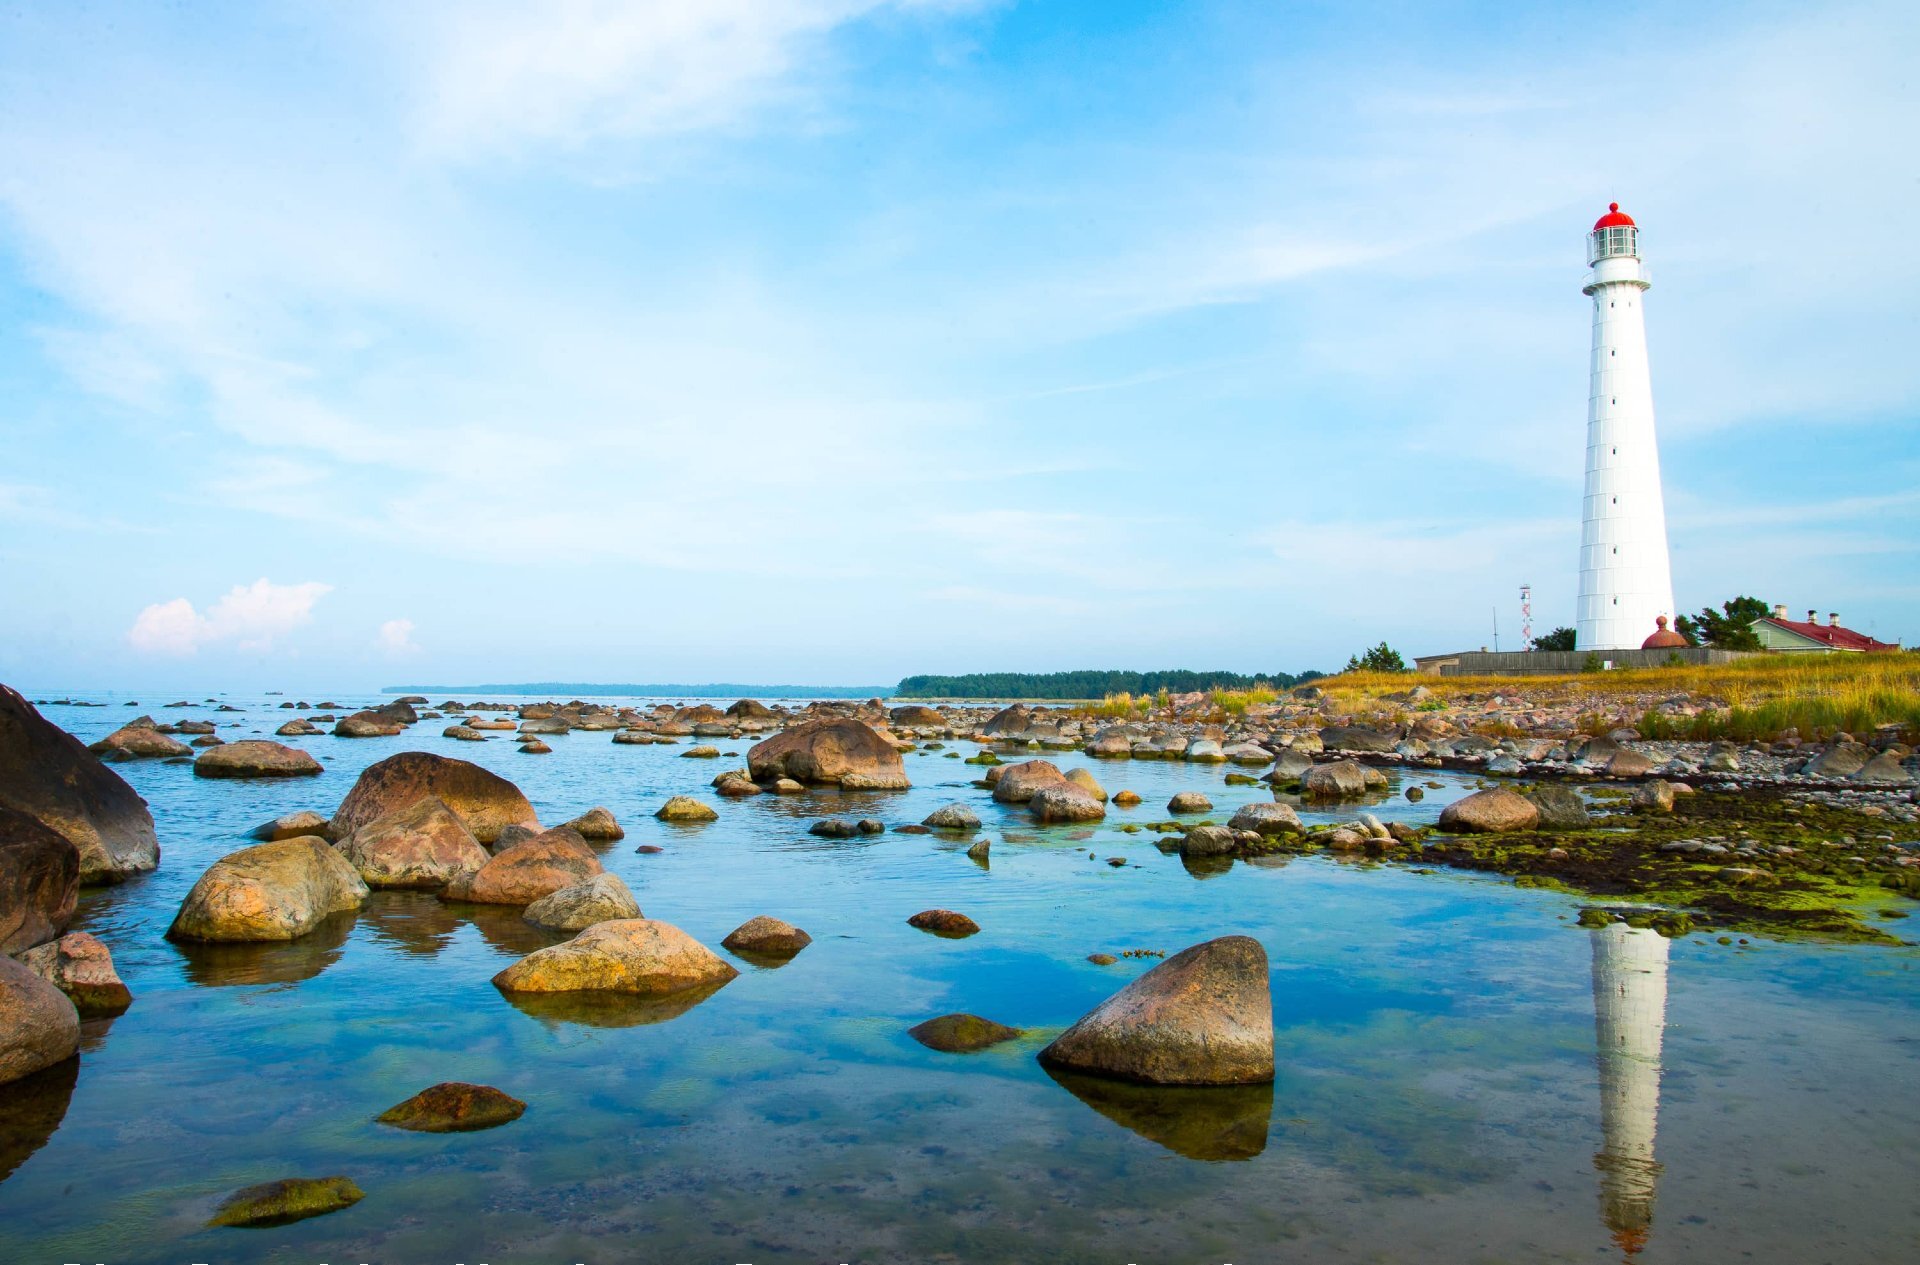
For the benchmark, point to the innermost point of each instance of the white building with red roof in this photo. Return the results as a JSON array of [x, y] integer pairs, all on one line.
[[1777, 632]]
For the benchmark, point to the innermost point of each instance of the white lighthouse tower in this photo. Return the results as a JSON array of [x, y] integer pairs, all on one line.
[[1625, 580]]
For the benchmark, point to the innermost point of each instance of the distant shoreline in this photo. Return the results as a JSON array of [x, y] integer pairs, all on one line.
[[712, 689]]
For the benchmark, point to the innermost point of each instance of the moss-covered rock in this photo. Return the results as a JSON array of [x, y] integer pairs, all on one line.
[[961, 1033], [287, 1200], [454, 1107]]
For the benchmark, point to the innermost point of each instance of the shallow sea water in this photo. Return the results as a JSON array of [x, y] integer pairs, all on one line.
[[1445, 1092]]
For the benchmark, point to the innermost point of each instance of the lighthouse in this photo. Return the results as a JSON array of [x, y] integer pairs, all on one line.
[[1626, 583]]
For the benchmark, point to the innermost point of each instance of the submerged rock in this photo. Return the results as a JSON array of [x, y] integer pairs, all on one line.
[[46, 774], [287, 1200], [952, 817], [944, 922], [1267, 819], [602, 898], [454, 1107], [533, 868], [423, 845], [291, 826], [1490, 812], [485, 801], [684, 808], [836, 751], [39, 882], [767, 937], [38, 1025], [81, 967], [1202, 1017], [270, 891], [961, 1034], [637, 955]]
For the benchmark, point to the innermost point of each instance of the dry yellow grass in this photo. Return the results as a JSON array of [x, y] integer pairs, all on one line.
[[1755, 698]]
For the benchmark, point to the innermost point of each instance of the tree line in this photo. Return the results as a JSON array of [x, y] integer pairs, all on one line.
[[1090, 683]]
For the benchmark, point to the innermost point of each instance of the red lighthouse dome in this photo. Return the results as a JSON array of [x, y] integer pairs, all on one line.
[[1614, 218]]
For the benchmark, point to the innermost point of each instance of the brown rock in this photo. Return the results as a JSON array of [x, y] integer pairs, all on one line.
[[38, 1025], [1064, 802], [944, 922], [46, 774], [287, 1200], [685, 808], [82, 968], [1019, 783], [1343, 779], [255, 759], [454, 1107], [527, 871], [1126, 799], [597, 825], [1189, 802], [1490, 812], [271, 891], [767, 937], [139, 740], [291, 826], [829, 751], [1202, 1017], [602, 898], [637, 955], [39, 882], [961, 1034], [367, 725], [424, 845], [486, 801]]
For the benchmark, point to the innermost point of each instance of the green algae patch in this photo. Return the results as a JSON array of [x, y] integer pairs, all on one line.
[[1754, 861], [287, 1200], [961, 1034]]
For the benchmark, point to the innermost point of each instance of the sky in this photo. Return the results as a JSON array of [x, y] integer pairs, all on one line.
[[826, 341]]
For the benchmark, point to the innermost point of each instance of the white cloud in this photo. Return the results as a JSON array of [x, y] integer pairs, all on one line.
[[250, 616], [396, 637]]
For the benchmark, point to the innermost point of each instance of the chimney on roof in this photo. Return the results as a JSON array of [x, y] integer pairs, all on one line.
[[1813, 617], [1833, 621], [1779, 610]]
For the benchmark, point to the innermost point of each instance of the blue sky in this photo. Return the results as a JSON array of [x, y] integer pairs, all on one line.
[[832, 340]]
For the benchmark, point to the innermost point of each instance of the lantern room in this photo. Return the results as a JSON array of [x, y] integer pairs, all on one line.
[[1614, 236]]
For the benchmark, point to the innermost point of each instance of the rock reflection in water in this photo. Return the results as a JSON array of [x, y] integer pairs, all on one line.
[[267, 962], [1630, 1016], [31, 1109], [608, 1010], [1226, 1122]]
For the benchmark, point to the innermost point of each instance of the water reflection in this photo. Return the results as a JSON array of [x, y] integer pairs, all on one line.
[[267, 962], [609, 1010], [31, 1108], [1630, 1015], [1226, 1122]]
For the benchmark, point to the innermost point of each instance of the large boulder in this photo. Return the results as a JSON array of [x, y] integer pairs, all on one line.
[[602, 898], [1065, 802], [530, 869], [81, 967], [1019, 783], [633, 955], [598, 825], [139, 739], [271, 891], [1561, 808], [487, 802], [1842, 759], [1490, 812], [46, 774], [1267, 819], [367, 725], [1355, 738], [952, 817], [255, 758], [425, 844], [830, 752], [39, 882], [916, 716], [38, 1025], [1202, 1017], [1342, 779]]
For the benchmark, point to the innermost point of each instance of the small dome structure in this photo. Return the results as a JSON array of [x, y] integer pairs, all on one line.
[[1664, 638], [1614, 218]]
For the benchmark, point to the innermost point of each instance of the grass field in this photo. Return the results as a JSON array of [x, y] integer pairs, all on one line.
[[1753, 699]]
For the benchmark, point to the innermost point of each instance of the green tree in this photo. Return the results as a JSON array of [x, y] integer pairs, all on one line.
[[1729, 628], [1382, 658], [1558, 639]]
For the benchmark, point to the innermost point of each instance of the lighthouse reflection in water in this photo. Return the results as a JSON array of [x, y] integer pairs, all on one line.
[[1629, 1015]]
